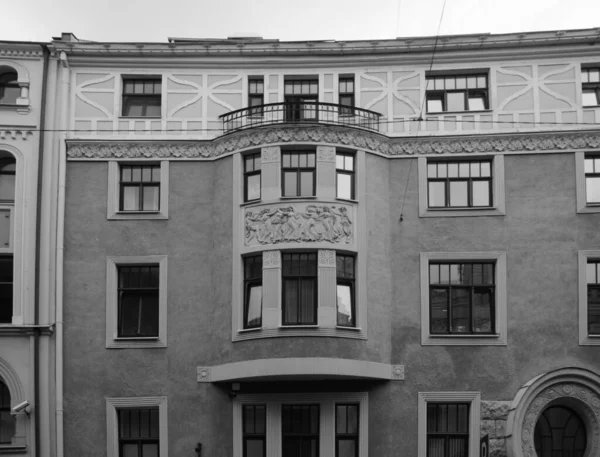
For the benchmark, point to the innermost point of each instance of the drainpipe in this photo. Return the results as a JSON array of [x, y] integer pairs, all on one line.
[[38, 219]]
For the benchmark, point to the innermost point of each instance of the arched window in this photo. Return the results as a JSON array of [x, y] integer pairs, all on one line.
[[559, 432], [7, 203], [9, 88], [7, 421]]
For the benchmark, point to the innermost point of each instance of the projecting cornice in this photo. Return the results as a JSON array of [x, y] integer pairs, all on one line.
[[15, 134], [334, 136]]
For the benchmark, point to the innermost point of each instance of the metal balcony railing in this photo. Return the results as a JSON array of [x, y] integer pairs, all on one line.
[[308, 112]]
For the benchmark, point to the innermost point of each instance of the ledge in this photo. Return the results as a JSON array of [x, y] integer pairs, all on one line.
[[300, 368], [10, 449], [9, 329]]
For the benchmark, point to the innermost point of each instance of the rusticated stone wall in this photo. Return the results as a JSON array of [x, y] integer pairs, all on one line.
[[493, 423]]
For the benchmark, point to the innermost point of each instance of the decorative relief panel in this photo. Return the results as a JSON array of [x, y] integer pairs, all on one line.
[[325, 154], [271, 259], [326, 258], [270, 154], [299, 223]]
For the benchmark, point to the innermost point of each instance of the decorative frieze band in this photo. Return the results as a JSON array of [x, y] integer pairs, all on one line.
[[15, 134], [356, 139]]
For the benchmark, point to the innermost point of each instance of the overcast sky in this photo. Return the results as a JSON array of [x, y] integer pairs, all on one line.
[[154, 20]]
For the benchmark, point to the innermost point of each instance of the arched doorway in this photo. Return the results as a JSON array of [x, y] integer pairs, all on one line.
[[559, 432]]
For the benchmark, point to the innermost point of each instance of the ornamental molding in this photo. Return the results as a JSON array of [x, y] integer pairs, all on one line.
[[20, 53], [326, 258], [270, 154], [302, 223], [272, 259], [18, 134], [203, 374], [397, 372], [326, 154]]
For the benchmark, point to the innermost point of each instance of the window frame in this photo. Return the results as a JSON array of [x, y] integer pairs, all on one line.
[[594, 86], [113, 211], [346, 436], [248, 284], [472, 398], [499, 338], [581, 181], [498, 198], [113, 340], [140, 442], [255, 112], [344, 171], [442, 94], [296, 102], [470, 180], [327, 426], [349, 111], [10, 84], [585, 339], [247, 436], [113, 405], [142, 295], [141, 185], [298, 171], [256, 157], [148, 97], [299, 279]]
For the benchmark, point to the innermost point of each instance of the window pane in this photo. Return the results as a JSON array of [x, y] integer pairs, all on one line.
[[594, 75], [439, 310], [352, 418], [7, 426], [442, 169], [346, 448], [434, 105], [452, 170], [130, 450], [151, 194], [486, 169], [594, 310], [291, 185], [464, 169], [589, 165], [150, 450], [306, 183], [589, 97], [461, 313], [339, 162], [434, 274], [136, 174], [149, 317], [340, 419], [432, 170], [7, 187], [344, 306], [255, 447], [481, 193], [344, 185], [290, 301], [253, 189], [129, 314], [482, 309], [131, 199], [475, 170], [591, 273], [307, 301], [444, 274], [592, 189], [458, 193], [461, 82], [254, 306], [457, 447], [435, 447], [437, 194], [476, 102], [456, 101]]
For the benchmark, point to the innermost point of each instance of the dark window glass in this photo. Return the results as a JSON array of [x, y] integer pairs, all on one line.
[[461, 298], [7, 421], [344, 167], [593, 293], [592, 180], [9, 88], [559, 432], [141, 97], [6, 289], [590, 78], [346, 308], [447, 429], [138, 432], [138, 300], [7, 180], [298, 169], [254, 430], [465, 184], [140, 188], [256, 97], [457, 93], [346, 95], [252, 166], [299, 288], [253, 291], [300, 430], [346, 430], [301, 97]]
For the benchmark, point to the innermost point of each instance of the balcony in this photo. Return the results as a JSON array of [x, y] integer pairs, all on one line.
[[305, 112]]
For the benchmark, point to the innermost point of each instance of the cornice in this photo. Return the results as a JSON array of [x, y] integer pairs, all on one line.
[[335, 136], [20, 53], [15, 133]]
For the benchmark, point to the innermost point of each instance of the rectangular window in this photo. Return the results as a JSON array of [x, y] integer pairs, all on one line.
[[344, 169], [593, 297], [254, 430], [9, 88], [298, 169], [138, 432], [447, 429], [252, 166], [301, 97], [461, 298], [7, 420], [6, 289], [139, 188], [346, 309], [300, 430], [253, 291], [467, 92], [590, 79], [299, 274], [346, 95], [142, 97], [592, 180], [346, 430], [256, 95], [138, 301], [464, 184]]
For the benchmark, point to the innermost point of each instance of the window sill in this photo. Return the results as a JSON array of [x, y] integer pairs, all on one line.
[[140, 117], [250, 203], [589, 209], [285, 327], [12, 449], [448, 212], [136, 343], [137, 215], [306, 197], [442, 113], [293, 331], [464, 340], [352, 329], [249, 330], [348, 200]]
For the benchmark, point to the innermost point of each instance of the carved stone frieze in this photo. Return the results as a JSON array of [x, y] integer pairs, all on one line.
[[270, 154], [326, 258], [356, 139], [298, 223], [271, 259]]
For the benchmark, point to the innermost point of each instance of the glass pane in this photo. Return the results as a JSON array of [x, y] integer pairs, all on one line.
[[594, 75], [291, 186], [475, 170], [150, 450], [294, 160], [450, 83], [592, 189], [126, 174], [458, 193], [149, 318], [290, 301], [255, 306], [306, 183], [444, 274], [346, 448], [434, 274], [349, 163], [463, 419], [585, 76], [455, 273], [7, 187], [344, 186], [591, 273], [442, 169], [589, 98], [339, 162], [311, 160], [7, 426], [486, 169], [129, 315], [5, 227], [481, 193], [589, 165], [460, 310], [352, 418], [464, 170], [476, 102], [344, 306], [131, 199], [594, 310], [155, 174], [255, 448], [456, 101], [130, 450], [151, 196], [432, 170], [302, 160], [457, 447], [482, 310], [439, 83], [481, 82], [461, 82], [439, 310], [435, 447], [472, 82], [136, 174], [434, 105], [437, 194], [340, 419], [253, 183], [153, 109], [453, 170]]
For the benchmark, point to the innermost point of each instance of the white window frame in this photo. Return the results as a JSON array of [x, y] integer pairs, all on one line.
[[112, 302], [498, 196], [584, 338], [112, 421], [113, 212], [474, 398], [582, 206], [500, 303], [326, 401]]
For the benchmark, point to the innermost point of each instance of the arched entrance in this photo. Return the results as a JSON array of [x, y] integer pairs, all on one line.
[[559, 432]]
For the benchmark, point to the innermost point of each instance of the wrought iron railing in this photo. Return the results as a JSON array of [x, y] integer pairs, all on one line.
[[300, 113]]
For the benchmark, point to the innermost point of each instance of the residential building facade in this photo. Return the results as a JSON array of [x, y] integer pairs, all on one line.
[[277, 249]]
